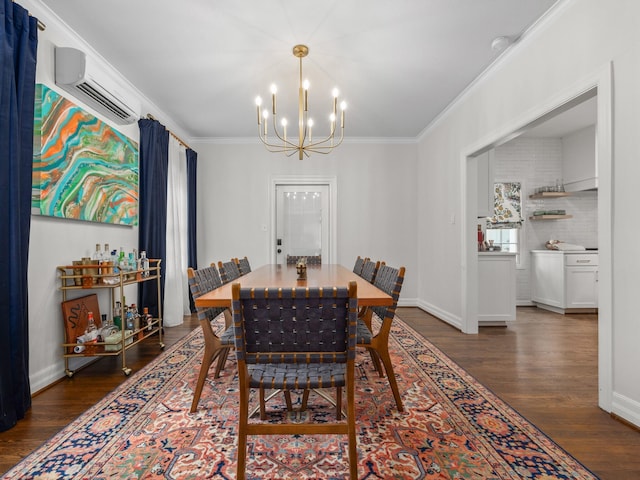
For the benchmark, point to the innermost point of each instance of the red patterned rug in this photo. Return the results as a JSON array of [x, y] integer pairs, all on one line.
[[452, 428]]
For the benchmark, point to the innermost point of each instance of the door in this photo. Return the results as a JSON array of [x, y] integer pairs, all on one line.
[[302, 221]]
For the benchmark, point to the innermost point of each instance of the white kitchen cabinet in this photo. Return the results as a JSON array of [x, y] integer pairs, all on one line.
[[579, 166], [564, 282], [496, 288], [485, 184]]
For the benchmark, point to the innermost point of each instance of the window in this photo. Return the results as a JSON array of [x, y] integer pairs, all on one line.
[[508, 239]]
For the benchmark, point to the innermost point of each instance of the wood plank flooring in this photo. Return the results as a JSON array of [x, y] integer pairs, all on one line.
[[544, 366]]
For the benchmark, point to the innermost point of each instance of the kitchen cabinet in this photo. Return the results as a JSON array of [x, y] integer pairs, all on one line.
[[579, 165], [565, 281], [485, 184], [496, 288]]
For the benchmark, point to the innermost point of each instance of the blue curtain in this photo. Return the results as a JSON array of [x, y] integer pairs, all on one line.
[[192, 254], [18, 46], [152, 206]]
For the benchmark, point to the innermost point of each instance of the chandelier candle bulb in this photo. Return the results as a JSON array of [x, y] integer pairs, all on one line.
[[274, 90], [258, 105]]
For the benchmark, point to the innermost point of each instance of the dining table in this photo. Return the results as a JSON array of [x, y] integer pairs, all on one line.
[[286, 276]]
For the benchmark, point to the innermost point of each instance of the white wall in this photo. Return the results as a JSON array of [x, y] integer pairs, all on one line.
[[376, 198], [582, 39]]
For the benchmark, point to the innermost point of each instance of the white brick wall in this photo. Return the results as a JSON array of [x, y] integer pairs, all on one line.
[[537, 162]]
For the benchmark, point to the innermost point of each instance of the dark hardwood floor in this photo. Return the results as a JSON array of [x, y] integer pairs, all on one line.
[[544, 366]]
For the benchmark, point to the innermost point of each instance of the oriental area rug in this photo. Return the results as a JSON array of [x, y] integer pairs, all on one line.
[[452, 428]]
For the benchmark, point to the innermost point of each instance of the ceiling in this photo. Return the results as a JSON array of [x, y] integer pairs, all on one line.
[[567, 122], [397, 63]]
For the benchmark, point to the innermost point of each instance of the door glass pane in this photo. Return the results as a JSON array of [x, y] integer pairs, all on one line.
[[303, 222]]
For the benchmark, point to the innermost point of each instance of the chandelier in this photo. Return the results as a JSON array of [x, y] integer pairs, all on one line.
[[304, 144]]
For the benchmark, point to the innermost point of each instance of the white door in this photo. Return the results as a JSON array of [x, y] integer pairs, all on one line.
[[302, 221]]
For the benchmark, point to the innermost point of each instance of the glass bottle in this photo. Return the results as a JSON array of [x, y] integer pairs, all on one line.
[[122, 261], [91, 333], [144, 264], [129, 320], [148, 318], [117, 315]]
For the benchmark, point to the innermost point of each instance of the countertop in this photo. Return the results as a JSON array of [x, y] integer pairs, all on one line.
[[497, 253], [567, 252]]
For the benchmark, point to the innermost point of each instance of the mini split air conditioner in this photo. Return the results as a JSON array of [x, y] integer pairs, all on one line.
[[80, 76]]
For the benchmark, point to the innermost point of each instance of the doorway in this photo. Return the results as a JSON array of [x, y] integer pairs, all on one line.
[[303, 217], [600, 85]]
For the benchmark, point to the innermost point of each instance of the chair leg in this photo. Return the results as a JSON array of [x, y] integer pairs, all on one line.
[[222, 360], [375, 359], [388, 366], [242, 433], [351, 427], [287, 399], [305, 399], [207, 360], [263, 408], [339, 403]]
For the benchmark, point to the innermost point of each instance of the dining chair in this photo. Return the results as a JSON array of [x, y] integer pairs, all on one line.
[[296, 338], [310, 259], [370, 269], [243, 265], [389, 280], [215, 347], [357, 267], [229, 271]]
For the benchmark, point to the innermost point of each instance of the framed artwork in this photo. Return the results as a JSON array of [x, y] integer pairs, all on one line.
[[74, 315], [83, 168]]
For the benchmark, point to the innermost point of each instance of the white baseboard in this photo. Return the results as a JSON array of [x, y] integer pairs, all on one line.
[[451, 319], [626, 408], [55, 372]]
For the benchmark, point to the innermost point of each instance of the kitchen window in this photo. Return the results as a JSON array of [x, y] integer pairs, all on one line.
[[503, 229], [507, 239]]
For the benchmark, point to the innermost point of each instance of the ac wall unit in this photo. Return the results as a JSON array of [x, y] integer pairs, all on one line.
[[80, 76]]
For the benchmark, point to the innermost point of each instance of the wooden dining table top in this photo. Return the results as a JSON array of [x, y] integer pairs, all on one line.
[[286, 276]]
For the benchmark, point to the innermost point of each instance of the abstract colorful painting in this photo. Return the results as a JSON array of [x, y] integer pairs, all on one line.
[[83, 169]]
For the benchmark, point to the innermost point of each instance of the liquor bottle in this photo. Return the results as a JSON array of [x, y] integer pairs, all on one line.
[[117, 315], [129, 320], [147, 318], [97, 259], [144, 264], [91, 333], [122, 261], [132, 264]]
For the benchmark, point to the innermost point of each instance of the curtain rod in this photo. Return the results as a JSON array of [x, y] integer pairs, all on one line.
[[41, 26], [182, 142]]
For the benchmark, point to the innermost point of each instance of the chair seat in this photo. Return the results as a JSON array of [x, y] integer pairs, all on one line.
[[226, 338], [296, 376], [364, 335]]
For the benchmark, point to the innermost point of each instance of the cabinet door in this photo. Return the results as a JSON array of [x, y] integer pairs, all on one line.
[[485, 184], [579, 160], [547, 274], [581, 285]]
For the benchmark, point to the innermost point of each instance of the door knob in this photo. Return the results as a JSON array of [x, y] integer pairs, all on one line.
[[279, 250]]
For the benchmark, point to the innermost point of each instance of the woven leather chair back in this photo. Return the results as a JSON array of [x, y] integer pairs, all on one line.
[[229, 271], [389, 280], [202, 281], [369, 270], [311, 259], [244, 266], [295, 325]]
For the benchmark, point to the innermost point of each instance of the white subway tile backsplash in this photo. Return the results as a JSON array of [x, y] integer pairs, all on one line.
[[537, 162]]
